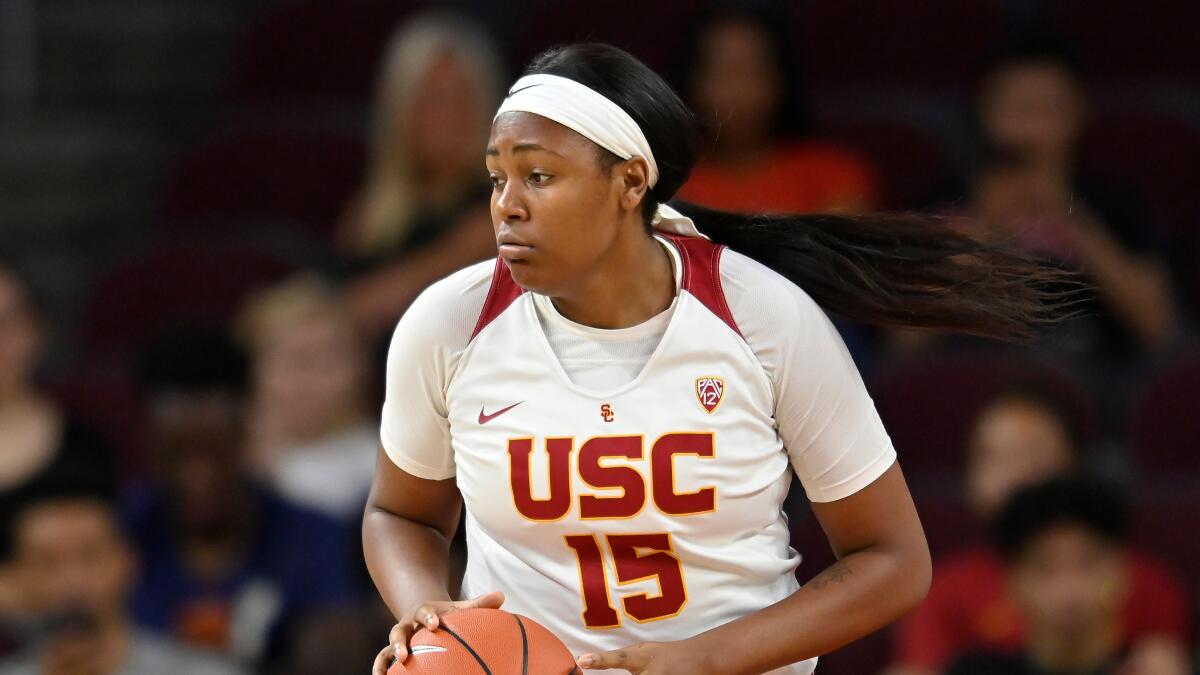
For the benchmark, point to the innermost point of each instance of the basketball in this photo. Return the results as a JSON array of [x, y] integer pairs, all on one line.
[[486, 641]]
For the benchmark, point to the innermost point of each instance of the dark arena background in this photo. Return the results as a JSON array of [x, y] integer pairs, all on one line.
[[212, 212]]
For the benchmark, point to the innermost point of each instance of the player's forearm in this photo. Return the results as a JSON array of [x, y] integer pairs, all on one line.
[[408, 561], [857, 595]]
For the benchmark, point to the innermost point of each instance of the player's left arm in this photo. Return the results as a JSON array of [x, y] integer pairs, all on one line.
[[840, 450], [883, 571]]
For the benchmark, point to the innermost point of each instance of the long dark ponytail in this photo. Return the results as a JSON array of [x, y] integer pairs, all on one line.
[[884, 269]]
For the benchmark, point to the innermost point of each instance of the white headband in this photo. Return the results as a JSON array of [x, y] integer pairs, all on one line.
[[592, 115]]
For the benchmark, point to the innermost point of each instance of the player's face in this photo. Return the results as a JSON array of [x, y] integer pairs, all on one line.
[[555, 206]]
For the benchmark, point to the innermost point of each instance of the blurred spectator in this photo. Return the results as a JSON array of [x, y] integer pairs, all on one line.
[[1064, 545], [310, 432], [740, 79], [76, 570], [423, 212], [36, 438], [1023, 436], [228, 563], [1030, 192]]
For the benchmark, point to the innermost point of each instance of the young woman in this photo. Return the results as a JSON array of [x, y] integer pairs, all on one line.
[[620, 399], [422, 211]]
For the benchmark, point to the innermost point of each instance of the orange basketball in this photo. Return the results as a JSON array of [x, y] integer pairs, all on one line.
[[486, 642]]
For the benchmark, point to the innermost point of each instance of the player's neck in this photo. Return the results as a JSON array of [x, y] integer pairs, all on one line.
[[631, 284]]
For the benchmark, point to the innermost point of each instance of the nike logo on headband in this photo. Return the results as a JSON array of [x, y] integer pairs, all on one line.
[[515, 91]]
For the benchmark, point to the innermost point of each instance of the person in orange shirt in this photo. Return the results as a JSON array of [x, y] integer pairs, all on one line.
[[740, 79]]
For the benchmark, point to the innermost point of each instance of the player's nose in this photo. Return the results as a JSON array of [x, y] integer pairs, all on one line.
[[510, 206]]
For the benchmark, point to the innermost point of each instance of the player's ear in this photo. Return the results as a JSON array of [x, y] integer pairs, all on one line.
[[634, 178]]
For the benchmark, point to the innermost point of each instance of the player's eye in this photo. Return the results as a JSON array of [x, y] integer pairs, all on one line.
[[496, 181], [538, 178]]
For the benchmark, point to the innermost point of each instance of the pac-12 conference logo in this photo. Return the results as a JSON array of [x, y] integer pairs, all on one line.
[[710, 391]]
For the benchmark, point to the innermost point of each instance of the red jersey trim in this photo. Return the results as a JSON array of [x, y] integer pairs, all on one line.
[[702, 275], [503, 292]]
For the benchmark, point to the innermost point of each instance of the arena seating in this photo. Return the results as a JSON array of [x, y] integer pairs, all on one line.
[[298, 175], [848, 43], [161, 288], [560, 21], [928, 404], [1162, 526], [316, 51], [1156, 154], [1135, 41], [1165, 424], [909, 162]]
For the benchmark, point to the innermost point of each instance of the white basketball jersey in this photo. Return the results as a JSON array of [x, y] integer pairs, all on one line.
[[648, 512]]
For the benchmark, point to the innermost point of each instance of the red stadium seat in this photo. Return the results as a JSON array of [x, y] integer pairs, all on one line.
[[1165, 423], [148, 294], [1159, 527], [1158, 155], [935, 43], [641, 28], [1135, 41], [102, 394], [928, 406], [319, 50], [949, 524], [909, 162], [301, 176], [1193, 264]]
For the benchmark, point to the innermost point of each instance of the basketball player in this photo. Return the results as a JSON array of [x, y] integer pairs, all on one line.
[[620, 399]]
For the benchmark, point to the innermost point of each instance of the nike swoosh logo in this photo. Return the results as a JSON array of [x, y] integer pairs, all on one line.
[[528, 86], [485, 418]]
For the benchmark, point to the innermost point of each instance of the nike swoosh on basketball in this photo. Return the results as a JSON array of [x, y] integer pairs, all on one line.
[[485, 418]]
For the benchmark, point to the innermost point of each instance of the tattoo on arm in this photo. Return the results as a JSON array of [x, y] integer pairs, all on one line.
[[834, 573]]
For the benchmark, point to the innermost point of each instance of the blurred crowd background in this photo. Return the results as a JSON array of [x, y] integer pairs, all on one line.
[[213, 211]]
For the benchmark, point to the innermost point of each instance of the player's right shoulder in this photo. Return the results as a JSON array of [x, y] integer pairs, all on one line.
[[467, 285], [445, 313]]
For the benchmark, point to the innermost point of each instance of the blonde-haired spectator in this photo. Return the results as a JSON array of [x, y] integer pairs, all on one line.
[[423, 211], [311, 435]]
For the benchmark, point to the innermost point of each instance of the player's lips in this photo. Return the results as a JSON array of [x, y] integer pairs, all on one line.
[[511, 248]]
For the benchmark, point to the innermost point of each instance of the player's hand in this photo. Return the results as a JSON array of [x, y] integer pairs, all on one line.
[[425, 615], [649, 658]]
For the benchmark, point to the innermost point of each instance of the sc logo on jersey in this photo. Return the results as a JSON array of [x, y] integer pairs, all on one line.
[[606, 412], [710, 391]]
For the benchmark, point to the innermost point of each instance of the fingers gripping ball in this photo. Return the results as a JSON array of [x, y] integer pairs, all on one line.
[[486, 642]]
